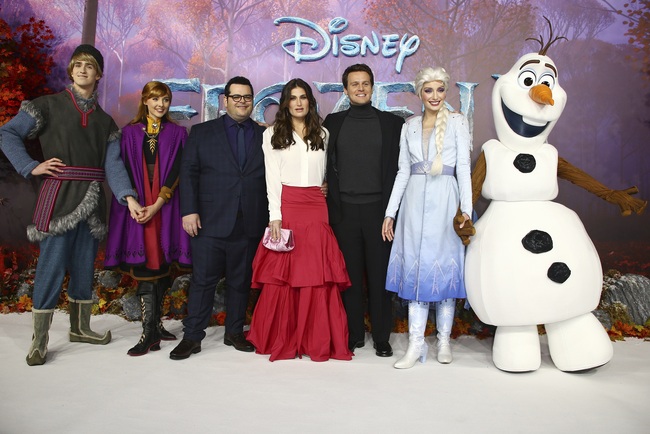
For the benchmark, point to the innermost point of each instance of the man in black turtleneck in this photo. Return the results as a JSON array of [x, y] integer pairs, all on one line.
[[363, 155]]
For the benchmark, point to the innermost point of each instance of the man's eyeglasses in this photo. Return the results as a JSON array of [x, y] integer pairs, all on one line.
[[237, 98]]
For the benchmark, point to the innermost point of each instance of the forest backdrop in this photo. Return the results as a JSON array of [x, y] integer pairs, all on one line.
[[604, 66]]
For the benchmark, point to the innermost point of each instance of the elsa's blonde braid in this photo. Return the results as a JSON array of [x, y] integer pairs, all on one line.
[[440, 126]]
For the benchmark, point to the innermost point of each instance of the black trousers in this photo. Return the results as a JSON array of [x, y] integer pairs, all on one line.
[[366, 258], [212, 259]]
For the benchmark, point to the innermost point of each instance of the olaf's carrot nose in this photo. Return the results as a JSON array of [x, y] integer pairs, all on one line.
[[541, 94]]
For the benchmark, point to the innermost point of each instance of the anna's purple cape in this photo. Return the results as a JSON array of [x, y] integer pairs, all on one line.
[[125, 242]]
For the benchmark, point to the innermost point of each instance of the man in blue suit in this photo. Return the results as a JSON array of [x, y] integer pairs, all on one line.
[[225, 210]]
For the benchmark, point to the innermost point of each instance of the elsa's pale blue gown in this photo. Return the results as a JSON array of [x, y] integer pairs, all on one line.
[[427, 257]]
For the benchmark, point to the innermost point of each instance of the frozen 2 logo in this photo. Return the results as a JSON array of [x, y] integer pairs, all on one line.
[[304, 48], [268, 96]]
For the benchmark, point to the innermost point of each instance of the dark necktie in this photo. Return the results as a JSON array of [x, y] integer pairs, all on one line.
[[241, 146]]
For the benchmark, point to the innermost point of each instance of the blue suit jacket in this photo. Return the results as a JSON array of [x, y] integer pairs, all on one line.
[[212, 184]]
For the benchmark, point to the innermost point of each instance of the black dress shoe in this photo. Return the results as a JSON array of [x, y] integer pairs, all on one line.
[[239, 342], [185, 349], [358, 344], [383, 349]]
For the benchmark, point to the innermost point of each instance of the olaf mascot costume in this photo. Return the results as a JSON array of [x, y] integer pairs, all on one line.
[[531, 261]]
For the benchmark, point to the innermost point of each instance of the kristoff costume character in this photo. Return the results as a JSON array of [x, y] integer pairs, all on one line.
[[80, 144]]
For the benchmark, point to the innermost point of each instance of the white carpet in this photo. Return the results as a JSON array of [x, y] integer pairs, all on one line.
[[94, 389]]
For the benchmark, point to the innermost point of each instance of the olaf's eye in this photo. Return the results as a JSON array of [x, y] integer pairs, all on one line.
[[547, 79], [527, 79]]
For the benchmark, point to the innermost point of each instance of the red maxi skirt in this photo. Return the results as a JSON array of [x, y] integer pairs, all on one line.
[[300, 311]]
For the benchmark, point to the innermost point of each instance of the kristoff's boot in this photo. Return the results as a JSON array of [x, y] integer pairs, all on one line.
[[161, 287], [150, 339], [417, 349], [80, 331], [42, 319], [444, 320]]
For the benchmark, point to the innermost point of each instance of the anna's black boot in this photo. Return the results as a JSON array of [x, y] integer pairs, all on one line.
[[162, 285], [150, 339]]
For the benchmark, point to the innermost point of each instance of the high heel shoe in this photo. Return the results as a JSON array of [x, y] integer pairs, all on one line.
[[417, 349], [415, 352]]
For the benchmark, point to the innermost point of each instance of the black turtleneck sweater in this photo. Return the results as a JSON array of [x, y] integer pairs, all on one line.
[[358, 151]]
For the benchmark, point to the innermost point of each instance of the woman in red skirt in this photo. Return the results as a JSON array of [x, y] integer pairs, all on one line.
[[299, 311]]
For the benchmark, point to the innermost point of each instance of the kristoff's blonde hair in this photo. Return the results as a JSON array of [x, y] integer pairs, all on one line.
[[87, 53]]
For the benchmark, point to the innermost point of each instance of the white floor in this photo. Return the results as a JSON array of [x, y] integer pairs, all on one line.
[[89, 389]]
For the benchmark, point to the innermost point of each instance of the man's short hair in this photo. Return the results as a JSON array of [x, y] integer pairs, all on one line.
[[238, 80], [359, 67]]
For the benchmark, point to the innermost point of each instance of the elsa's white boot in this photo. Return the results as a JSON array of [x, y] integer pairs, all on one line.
[[417, 349], [444, 320]]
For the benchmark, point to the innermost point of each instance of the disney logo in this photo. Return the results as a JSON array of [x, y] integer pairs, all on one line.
[[310, 49]]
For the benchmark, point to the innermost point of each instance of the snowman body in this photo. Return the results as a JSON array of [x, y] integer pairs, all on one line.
[[507, 280]]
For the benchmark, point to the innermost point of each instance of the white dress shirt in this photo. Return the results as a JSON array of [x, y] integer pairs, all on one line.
[[296, 166]]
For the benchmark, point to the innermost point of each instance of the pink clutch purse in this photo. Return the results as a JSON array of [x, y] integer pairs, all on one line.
[[284, 244]]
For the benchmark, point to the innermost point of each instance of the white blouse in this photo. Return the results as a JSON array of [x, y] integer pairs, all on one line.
[[295, 166]]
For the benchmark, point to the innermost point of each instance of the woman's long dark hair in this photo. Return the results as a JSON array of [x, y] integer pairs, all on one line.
[[283, 127]]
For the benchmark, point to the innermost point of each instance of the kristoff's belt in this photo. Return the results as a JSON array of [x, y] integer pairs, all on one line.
[[50, 190]]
